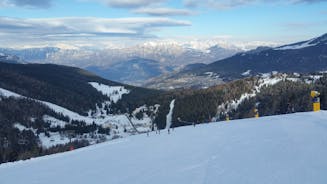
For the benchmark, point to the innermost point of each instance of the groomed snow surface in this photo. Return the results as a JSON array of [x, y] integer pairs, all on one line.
[[288, 149]]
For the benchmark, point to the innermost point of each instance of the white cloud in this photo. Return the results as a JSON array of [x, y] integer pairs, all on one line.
[[26, 3], [218, 4], [225, 4], [162, 11], [130, 3], [78, 28]]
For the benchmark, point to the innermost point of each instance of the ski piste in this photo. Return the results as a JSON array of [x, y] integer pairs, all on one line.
[[276, 149]]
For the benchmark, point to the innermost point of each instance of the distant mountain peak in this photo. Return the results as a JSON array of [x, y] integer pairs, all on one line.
[[320, 40], [309, 43], [7, 58]]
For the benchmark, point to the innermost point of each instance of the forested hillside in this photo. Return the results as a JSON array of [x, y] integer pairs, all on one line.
[[61, 85], [273, 94], [48, 108]]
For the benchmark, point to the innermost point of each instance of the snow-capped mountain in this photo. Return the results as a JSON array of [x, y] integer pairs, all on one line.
[[31, 54], [166, 54], [169, 52], [6, 58], [322, 40], [172, 54], [299, 45], [302, 57], [277, 149]]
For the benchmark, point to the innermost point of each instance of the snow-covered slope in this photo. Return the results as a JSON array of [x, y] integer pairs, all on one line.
[[300, 45], [266, 79], [279, 149], [120, 124], [313, 42], [115, 93]]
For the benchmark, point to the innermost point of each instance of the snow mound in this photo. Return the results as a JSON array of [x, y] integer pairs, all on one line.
[[278, 149]]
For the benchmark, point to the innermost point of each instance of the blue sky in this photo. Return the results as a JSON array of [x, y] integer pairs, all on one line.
[[32, 21]]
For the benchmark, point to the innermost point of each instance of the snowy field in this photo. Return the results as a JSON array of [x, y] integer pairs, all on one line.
[[288, 149]]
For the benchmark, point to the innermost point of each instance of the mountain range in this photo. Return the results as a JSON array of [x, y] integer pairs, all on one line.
[[302, 57], [166, 55]]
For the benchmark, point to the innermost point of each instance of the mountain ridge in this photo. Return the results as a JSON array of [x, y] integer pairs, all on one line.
[[301, 57]]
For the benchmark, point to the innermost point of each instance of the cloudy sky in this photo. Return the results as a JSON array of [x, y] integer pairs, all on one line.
[[37, 22]]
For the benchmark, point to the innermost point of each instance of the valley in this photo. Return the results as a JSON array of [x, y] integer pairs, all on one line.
[[163, 92], [62, 107]]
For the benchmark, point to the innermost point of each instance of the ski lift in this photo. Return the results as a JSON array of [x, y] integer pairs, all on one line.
[[132, 124]]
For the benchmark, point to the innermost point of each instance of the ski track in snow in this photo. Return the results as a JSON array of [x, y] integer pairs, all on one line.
[[169, 118], [283, 149]]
